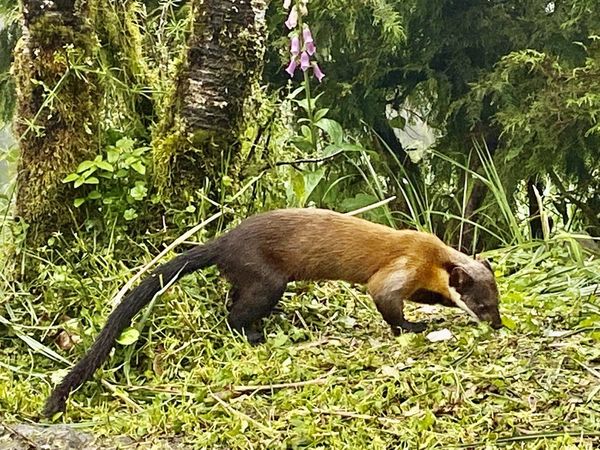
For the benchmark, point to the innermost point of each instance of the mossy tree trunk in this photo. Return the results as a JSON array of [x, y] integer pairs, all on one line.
[[55, 108], [224, 60]]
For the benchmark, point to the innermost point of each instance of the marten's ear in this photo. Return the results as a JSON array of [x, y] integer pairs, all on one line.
[[485, 262], [460, 278]]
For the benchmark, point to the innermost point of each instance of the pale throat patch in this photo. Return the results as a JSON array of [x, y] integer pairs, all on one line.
[[455, 297], [397, 278]]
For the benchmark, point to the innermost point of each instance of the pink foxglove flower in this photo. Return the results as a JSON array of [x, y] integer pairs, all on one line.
[[304, 61], [291, 68], [308, 41], [286, 4], [303, 9], [292, 19], [295, 46], [317, 71]]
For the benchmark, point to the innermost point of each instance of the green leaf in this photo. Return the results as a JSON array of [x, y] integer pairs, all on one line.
[[104, 165], [306, 133], [334, 148], [130, 214], [79, 182], [78, 202], [311, 180], [140, 151], [88, 172], [297, 186], [358, 201], [85, 165], [509, 323], [333, 129], [302, 144], [112, 155], [91, 180], [70, 177], [295, 92], [321, 113], [130, 160], [139, 167], [125, 144], [94, 195], [304, 104], [128, 336], [139, 191]]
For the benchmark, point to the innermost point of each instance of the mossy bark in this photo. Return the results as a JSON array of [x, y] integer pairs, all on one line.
[[56, 108], [204, 117]]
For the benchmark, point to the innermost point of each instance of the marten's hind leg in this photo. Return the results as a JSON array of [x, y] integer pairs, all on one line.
[[254, 299]]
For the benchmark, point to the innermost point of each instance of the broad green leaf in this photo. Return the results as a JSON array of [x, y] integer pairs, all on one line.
[[104, 165], [139, 167], [91, 180], [333, 129], [112, 155], [70, 177], [128, 336], [79, 182], [311, 180], [78, 202], [295, 92], [302, 144], [358, 201], [305, 130], [321, 113], [88, 172], [85, 165]]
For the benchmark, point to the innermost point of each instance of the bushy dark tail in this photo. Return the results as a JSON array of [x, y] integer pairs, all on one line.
[[120, 318]]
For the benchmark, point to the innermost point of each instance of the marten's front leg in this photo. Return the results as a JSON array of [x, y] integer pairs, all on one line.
[[389, 288]]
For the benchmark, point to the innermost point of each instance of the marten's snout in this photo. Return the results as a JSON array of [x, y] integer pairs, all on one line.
[[496, 325], [493, 318]]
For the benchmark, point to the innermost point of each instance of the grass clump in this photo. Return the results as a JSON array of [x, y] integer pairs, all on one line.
[[330, 374]]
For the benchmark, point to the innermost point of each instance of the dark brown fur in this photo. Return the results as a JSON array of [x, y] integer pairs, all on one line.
[[265, 252]]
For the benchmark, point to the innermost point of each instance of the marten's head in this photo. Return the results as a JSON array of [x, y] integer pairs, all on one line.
[[476, 291]]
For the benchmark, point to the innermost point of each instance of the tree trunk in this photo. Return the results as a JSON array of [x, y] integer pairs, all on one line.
[[477, 196], [225, 58], [55, 108]]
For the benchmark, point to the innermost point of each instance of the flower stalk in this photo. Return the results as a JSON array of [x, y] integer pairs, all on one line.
[[302, 48]]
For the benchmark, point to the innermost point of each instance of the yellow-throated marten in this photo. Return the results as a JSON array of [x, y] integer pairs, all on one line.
[[266, 251]]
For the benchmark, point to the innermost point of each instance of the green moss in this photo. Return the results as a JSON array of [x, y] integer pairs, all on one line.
[[165, 148], [56, 113]]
